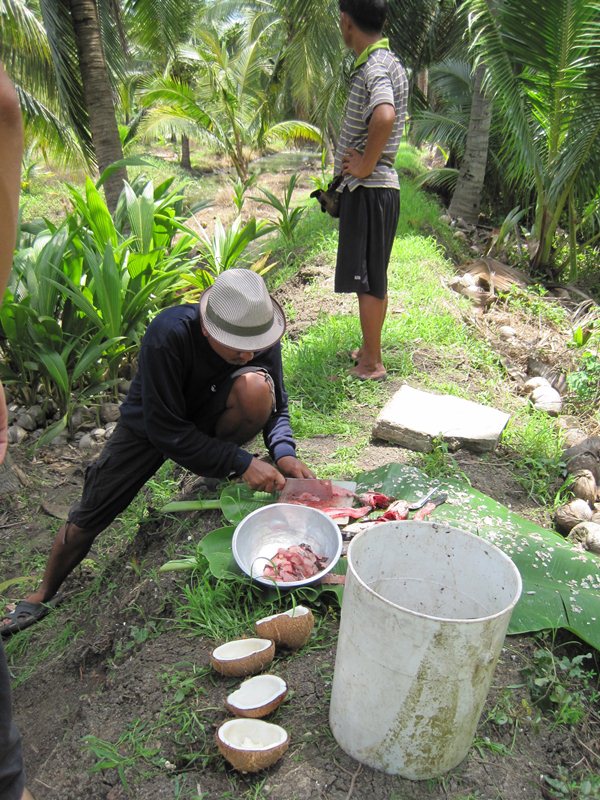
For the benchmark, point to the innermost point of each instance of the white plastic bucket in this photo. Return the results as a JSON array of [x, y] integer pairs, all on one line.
[[424, 615]]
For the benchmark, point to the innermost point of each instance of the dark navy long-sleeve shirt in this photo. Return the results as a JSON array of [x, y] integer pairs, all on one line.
[[177, 373]]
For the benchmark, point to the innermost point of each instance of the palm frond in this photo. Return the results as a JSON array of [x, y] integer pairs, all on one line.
[[423, 32], [448, 129], [294, 130], [24, 48], [440, 178], [57, 21], [53, 135], [159, 26], [114, 40], [490, 45]]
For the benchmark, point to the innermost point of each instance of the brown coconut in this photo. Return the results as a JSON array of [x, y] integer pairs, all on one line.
[[289, 629], [242, 657], [586, 534], [251, 744], [257, 697], [571, 514], [584, 485]]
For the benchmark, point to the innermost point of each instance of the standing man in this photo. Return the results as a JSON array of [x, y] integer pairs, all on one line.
[[370, 200], [209, 379], [12, 777]]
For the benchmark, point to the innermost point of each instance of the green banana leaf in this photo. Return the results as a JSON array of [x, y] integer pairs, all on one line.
[[238, 500], [561, 584]]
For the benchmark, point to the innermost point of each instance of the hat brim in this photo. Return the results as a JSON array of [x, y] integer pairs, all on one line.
[[244, 343]]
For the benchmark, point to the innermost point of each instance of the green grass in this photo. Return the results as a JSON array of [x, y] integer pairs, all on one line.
[[422, 317], [534, 443], [47, 194], [26, 660]]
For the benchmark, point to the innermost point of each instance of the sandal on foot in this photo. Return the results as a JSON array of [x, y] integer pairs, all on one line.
[[26, 614]]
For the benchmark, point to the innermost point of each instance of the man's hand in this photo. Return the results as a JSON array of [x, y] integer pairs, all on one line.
[[292, 467], [353, 163], [3, 425], [263, 477]]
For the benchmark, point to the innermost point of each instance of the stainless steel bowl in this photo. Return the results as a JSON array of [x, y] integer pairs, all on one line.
[[258, 537]]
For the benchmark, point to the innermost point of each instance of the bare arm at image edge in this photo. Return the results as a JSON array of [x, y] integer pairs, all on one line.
[[11, 139]]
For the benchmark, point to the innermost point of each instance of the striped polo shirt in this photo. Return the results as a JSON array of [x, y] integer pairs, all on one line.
[[381, 78]]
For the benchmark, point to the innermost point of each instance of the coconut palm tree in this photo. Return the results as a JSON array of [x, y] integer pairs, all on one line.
[[543, 74], [84, 55], [25, 50], [226, 103]]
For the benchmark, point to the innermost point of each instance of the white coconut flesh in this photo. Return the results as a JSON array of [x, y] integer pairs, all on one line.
[[240, 648], [298, 611], [257, 692], [252, 734]]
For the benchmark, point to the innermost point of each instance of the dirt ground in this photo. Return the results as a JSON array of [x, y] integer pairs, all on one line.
[[123, 642]]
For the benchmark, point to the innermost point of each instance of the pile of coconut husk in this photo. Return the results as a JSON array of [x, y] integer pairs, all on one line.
[[483, 279], [579, 519]]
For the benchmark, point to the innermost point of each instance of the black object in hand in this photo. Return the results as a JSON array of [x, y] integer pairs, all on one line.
[[329, 198]]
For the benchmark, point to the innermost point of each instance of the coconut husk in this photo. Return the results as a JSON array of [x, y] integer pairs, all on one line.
[[584, 485], [585, 455], [586, 534], [571, 514]]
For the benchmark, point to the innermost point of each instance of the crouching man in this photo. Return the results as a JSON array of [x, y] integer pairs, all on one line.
[[209, 379]]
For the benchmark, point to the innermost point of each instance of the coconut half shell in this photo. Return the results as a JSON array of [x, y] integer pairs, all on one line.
[[289, 629], [257, 696], [251, 744], [242, 657]]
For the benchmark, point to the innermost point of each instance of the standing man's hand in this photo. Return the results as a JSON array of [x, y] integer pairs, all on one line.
[[3, 425], [263, 477], [353, 164], [292, 467]]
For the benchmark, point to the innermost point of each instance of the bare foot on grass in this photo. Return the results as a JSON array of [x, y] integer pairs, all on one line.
[[367, 373]]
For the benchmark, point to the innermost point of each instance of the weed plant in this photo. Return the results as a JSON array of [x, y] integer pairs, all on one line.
[[561, 685], [535, 444], [534, 302], [563, 785]]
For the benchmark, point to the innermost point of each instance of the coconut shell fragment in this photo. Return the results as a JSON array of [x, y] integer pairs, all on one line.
[[291, 629], [257, 697], [242, 657], [251, 744]]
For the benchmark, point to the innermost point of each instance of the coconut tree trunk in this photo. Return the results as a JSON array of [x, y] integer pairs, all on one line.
[[185, 162], [467, 195], [98, 95], [423, 82]]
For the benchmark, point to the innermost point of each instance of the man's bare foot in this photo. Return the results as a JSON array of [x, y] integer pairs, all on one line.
[[377, 373], [27, 795], [356, 354]]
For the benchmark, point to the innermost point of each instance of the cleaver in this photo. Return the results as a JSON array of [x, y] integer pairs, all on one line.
[[337, 494]]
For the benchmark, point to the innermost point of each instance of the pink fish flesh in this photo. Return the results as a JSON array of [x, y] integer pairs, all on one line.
[[296, 563]]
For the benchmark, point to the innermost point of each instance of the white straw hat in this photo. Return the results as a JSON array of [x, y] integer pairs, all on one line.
[[238, 311]]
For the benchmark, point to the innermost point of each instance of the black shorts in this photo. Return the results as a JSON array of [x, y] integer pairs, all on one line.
[[128, 461], [368, 223]]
